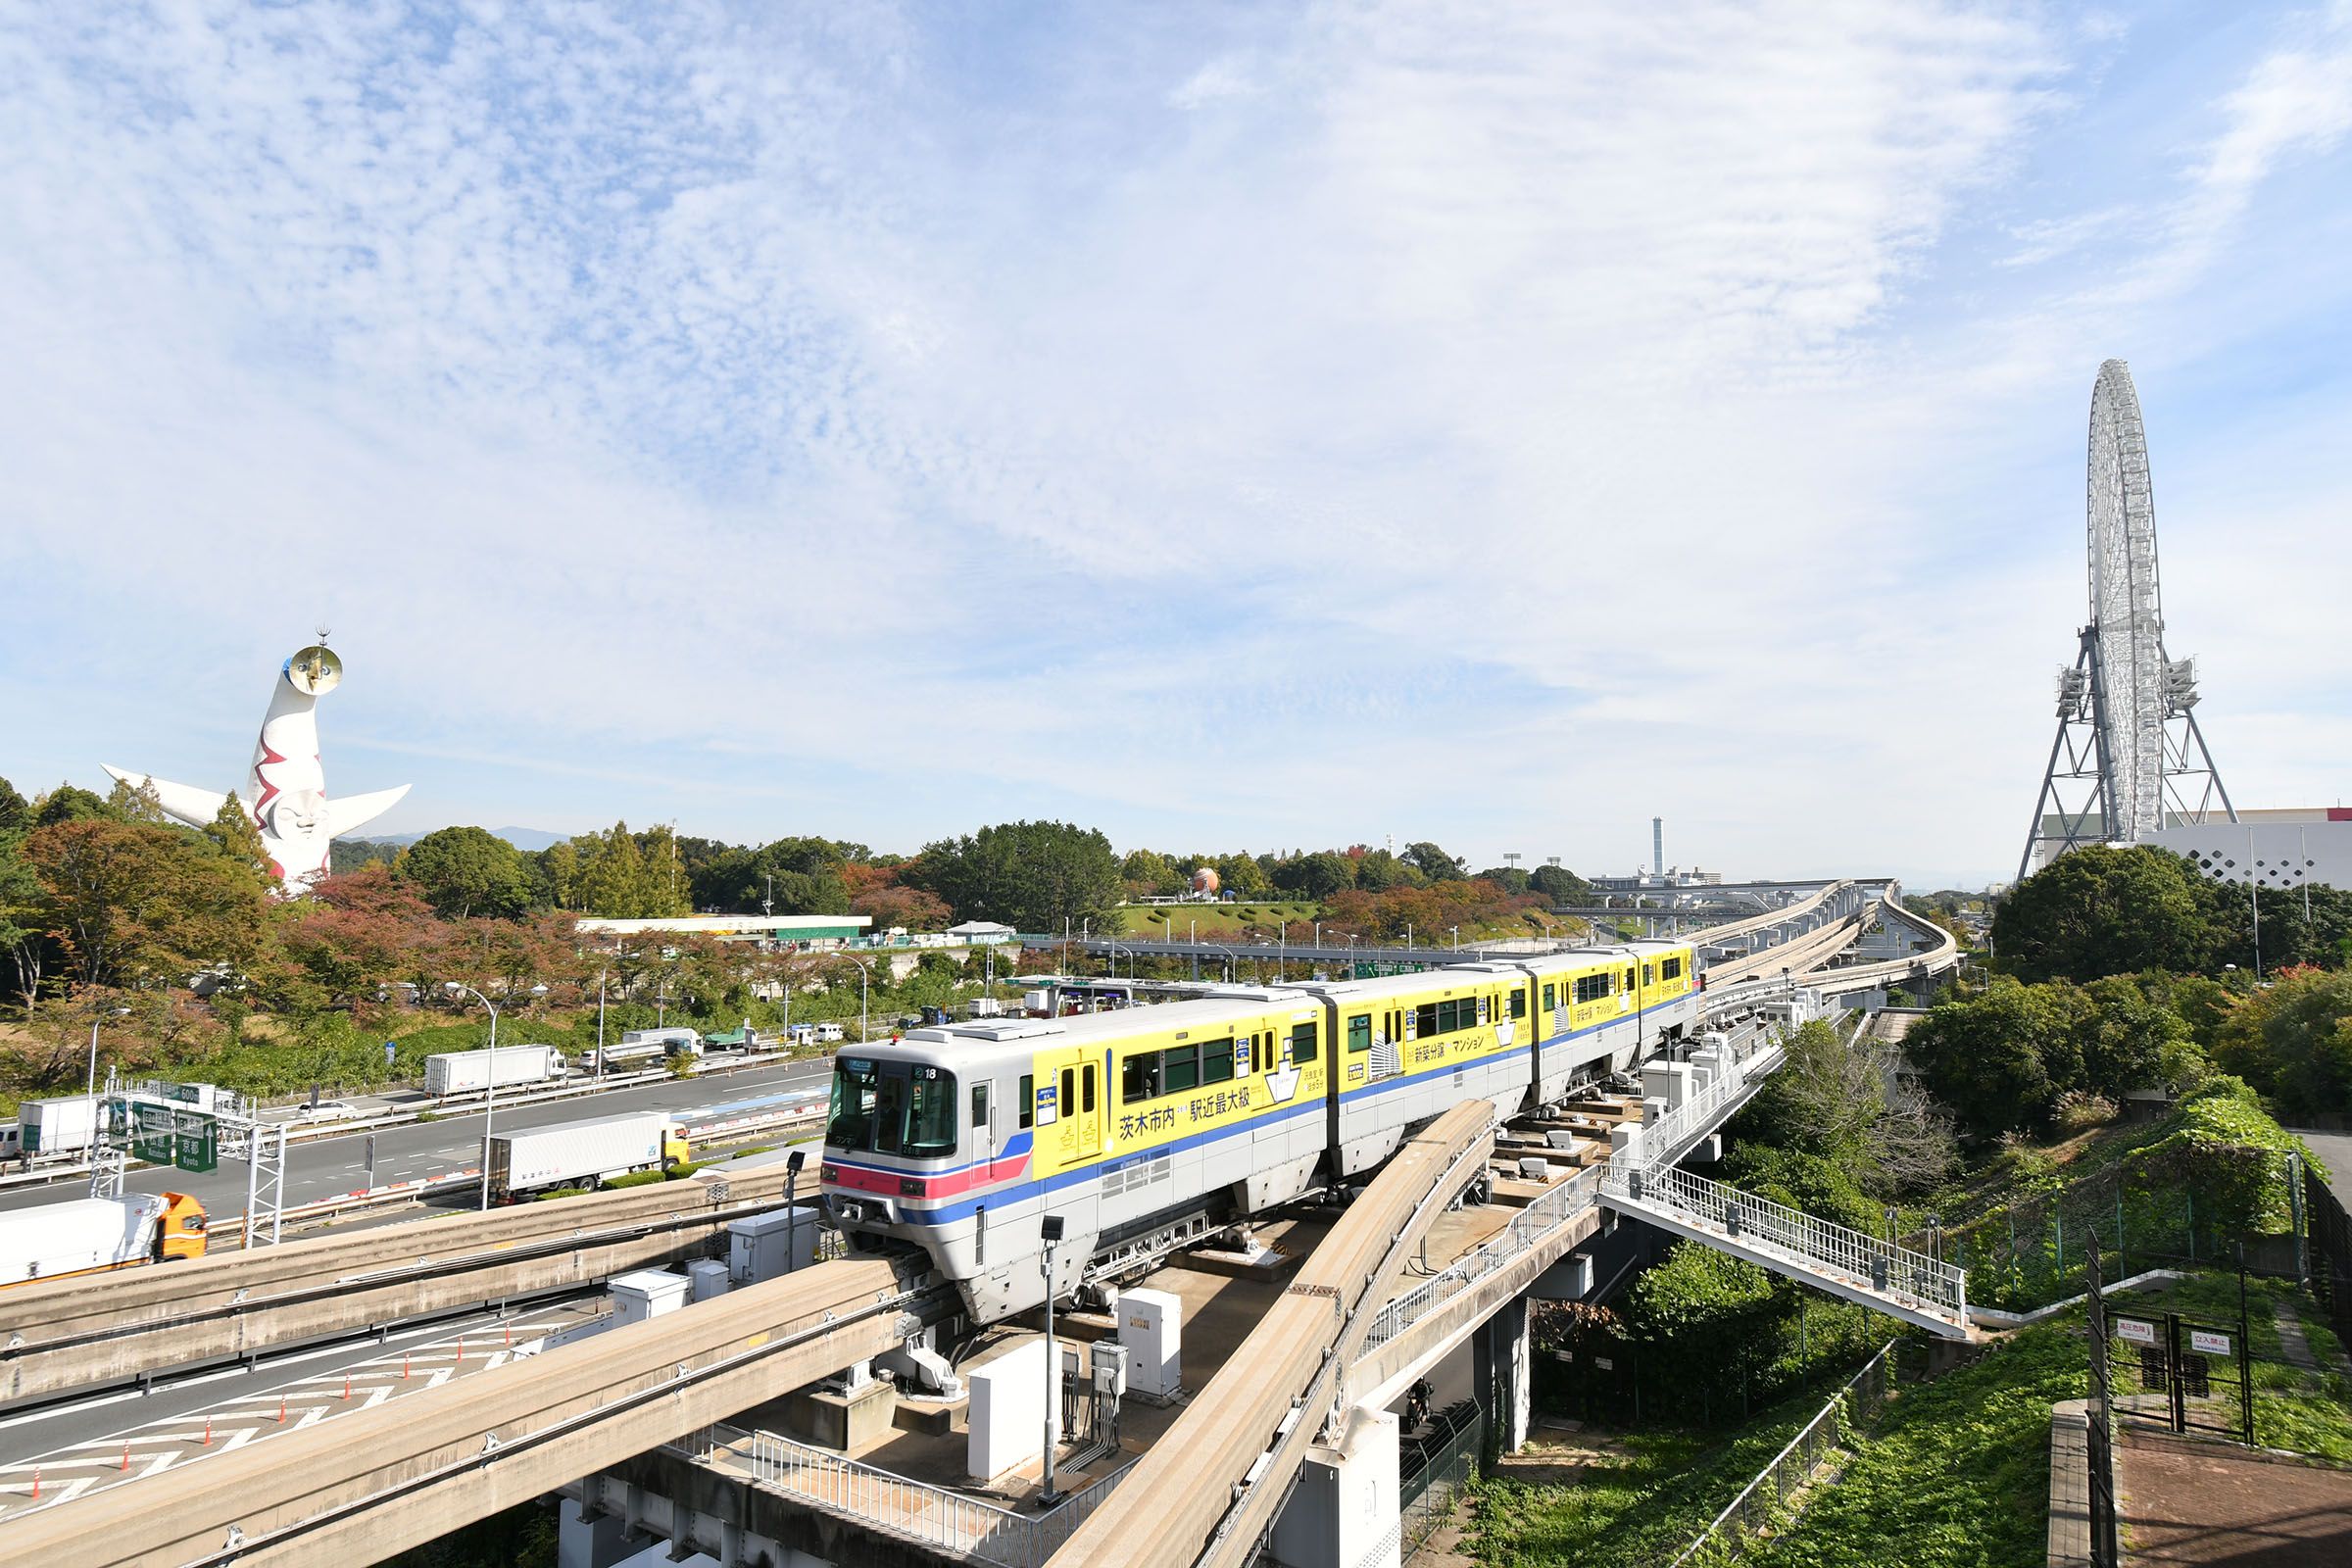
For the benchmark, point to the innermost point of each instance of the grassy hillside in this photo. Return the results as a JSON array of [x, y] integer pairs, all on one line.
[[1215, 923]]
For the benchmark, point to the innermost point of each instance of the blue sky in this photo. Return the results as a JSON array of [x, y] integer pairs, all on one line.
[[1231, 426]]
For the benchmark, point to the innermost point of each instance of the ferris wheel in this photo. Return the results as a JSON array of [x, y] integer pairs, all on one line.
[[2128, 752], [2126, 606]]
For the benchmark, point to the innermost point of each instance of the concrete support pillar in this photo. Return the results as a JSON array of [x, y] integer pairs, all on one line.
[[597, 1542], [1344, 1510], [1503, 1378]]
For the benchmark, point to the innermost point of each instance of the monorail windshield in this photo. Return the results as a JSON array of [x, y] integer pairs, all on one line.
[[892, 1107]]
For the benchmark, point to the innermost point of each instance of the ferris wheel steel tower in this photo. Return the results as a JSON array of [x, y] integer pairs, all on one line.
[[2129, 758]]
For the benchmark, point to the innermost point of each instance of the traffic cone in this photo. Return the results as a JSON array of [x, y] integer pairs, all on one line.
[[460, 1361], [347, 1385], [281, 1409], [208, 1432], [404, 1367], [510, 1336], [126, 1454], [36, 1486]]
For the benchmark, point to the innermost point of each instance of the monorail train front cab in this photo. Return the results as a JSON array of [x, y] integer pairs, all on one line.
[[931, 1144]]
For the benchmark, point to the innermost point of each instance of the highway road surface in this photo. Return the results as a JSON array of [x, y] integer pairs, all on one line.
[[332, 1166]]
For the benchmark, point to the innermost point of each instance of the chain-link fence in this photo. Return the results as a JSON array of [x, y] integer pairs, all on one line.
[[2031, 1252], [1767, 1501], [1433, 1468]]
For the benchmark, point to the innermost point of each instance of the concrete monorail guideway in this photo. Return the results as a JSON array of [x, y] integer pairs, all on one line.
[[58, 1335]]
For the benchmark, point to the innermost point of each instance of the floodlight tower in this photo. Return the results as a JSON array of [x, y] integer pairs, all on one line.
[[2129, 758]]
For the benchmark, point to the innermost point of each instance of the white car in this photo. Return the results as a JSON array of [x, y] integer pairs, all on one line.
[[330, 1111]]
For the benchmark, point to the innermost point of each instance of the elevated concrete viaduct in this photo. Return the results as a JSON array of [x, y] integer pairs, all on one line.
[[358, 1488], [61, 1335]]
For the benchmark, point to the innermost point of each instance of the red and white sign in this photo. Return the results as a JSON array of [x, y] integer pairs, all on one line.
[[2207, 1342], [2134, 1331]]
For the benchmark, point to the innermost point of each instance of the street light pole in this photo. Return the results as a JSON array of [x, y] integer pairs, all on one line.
[[119, 1012], [490, 1093], [1050, 1228]]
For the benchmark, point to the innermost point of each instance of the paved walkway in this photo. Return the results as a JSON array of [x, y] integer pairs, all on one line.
[[2198, 1502]]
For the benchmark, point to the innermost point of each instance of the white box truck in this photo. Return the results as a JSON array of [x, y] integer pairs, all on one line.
[[582, 1154], [467, 1072], [643, 1048], [84, 1235], [67, 1125]]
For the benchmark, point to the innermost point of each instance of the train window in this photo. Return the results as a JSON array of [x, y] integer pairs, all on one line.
[[856, 1082], [1138, 1077], [1085, 1102], [890, 1114], [1671, 969], [1359, 1032], [1628, 979], [1216, 1062], [931, 1117], [1180, 1067], [1303, 1042], [1425, 1019], [1028, 1102], [979, 1110], [1518, 1002], [1550, 1000], [1591, 986], [1647, 978], [1068, 1105]]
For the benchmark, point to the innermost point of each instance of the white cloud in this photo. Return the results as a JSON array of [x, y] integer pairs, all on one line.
[[1497, 423]]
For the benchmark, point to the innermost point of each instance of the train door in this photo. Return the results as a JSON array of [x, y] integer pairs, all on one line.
[[1069, 1107]]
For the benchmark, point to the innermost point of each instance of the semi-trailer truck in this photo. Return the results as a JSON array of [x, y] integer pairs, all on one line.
[[88, 1235], [467, 1072], [64, 1125], [582, 1154]]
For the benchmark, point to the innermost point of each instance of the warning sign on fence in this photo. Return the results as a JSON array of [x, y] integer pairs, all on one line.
[[2136, 1331], [2207, 1342]]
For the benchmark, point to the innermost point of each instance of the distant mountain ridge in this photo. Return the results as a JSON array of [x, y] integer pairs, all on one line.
[[522, 838]]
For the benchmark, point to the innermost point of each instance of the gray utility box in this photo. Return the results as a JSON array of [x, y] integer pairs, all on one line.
[[782, 1241]]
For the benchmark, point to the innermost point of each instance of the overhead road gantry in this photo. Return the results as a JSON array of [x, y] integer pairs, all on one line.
[[82, 1331], [362, 1487]]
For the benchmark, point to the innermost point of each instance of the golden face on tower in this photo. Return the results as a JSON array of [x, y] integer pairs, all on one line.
[[315, 671]]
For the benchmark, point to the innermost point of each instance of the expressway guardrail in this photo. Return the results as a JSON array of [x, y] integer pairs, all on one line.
[[454, 1104]]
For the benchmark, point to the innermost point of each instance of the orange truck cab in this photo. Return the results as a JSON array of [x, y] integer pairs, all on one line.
[[181, 1231]]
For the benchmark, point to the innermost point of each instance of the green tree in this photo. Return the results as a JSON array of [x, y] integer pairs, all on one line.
[[1031, 875], [67, 803], [1147, 871], [463, 871], [630, 876], [1433, 864], [2130, 1040], [1241, 877], [16, 811], [2102, 909], [1320, 875], [1560, 885], [1708, 1309], [2293, 1041], [134, 904], [1853, 1104], [1988, 1057], [1378, 870], [233, 832], [1510, 878], [23, 927]]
